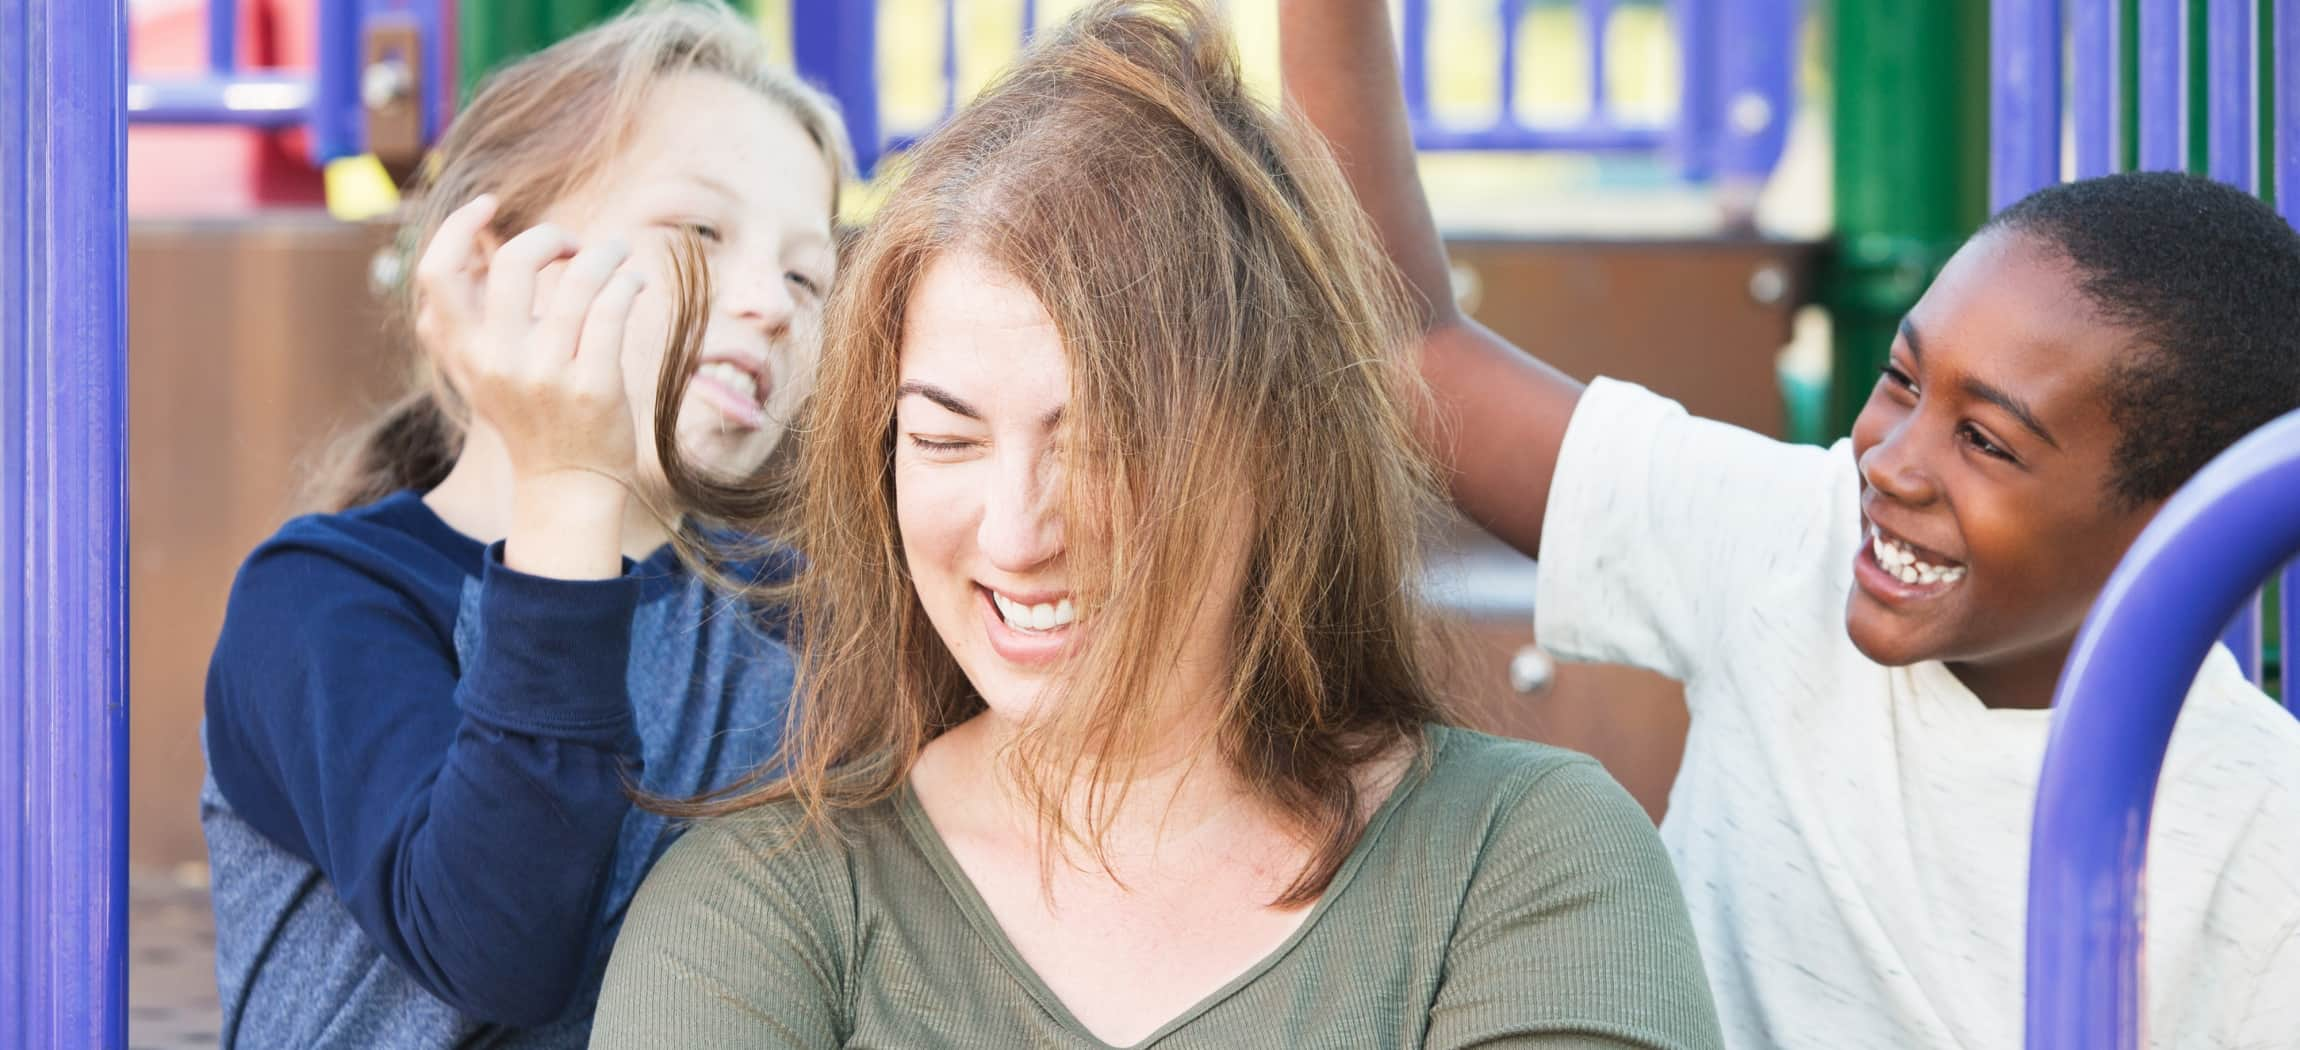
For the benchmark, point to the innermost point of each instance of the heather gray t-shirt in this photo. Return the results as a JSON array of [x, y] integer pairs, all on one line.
[[1507, 894]]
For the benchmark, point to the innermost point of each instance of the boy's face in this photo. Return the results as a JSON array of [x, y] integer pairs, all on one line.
[[1985, 453]]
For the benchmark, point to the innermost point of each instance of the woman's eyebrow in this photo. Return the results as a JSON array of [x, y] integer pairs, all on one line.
[[937, 395]]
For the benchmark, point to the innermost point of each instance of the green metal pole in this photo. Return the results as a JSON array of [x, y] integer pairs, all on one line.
[[1911, 130]]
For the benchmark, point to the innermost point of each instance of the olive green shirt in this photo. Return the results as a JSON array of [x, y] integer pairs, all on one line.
[[1506, 894]]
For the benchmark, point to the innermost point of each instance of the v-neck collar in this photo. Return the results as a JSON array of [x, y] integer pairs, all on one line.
[[978, 914]]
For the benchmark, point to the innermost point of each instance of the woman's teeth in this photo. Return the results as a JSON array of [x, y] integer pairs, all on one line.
[[1902, 563], [1040, 617], [734, 377]]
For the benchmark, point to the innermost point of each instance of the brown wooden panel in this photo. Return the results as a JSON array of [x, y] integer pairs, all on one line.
[[248, 344], [1699, 321]]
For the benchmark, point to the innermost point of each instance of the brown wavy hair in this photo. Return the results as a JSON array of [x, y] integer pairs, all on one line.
[[1231, 326], [539, 129]]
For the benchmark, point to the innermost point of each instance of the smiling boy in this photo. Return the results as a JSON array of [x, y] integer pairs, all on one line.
[[1870, 634]]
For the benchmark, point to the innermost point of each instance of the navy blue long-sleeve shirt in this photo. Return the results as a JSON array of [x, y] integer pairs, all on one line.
[[418, 813]]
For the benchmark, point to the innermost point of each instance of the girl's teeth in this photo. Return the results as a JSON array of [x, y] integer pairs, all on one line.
[[733, 378]]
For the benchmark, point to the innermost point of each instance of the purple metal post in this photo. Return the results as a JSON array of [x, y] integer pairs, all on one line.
[[2233, 74], [63, 607], [1700, 112], [2289, 655], [950, 54], [1599, 16], [1755, 84], [336, 118], [2024, 99], [223, 36], [835, 44], [2211, 545], [2093, 24], [2163, 85], [2287, 167], [1507, 11]]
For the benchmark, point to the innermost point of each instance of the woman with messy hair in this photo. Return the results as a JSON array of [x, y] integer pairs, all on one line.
[[1115, 728]]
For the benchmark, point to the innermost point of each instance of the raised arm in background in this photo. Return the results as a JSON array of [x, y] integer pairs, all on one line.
[[1500, 413]]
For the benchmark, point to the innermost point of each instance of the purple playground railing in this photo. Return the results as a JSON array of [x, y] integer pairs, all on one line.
[[2026, 115], [63, 588], [327, 99], [1738, 71], [2207, 550], [2201, 563]]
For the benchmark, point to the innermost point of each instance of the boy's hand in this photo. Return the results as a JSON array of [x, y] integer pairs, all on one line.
[[531, 334]]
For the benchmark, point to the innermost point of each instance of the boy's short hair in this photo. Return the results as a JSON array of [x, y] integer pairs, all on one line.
[[2208, 277]]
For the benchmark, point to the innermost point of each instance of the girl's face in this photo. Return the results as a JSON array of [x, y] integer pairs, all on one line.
[[717, 158], [979, 455]]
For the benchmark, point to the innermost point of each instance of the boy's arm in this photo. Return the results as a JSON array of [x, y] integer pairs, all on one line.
[[1500, 415]]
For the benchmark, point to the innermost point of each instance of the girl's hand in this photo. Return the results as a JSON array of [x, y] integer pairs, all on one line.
[[543, 369]]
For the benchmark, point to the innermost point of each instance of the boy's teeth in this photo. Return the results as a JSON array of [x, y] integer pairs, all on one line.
[[1902, 563]]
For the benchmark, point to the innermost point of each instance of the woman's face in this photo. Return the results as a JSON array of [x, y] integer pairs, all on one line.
[[717, 159], [980, 439]]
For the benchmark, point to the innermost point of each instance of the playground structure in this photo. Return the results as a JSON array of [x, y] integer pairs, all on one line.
[[2157, 83]]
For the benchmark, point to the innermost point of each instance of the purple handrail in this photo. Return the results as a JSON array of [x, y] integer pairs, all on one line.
[[1733, 119], [63, 606], [2225, 531], [246, 100], [2024, 100]]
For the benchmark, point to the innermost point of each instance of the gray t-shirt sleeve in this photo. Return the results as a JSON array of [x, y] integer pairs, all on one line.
[[735, 939], [1572, 933]]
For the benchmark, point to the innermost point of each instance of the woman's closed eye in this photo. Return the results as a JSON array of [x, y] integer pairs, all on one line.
[[805, 282], [940, 446]]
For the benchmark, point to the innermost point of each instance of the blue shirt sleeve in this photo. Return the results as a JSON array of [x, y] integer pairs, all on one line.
[[467, 816]]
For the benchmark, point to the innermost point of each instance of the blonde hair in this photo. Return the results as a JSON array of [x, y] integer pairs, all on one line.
[[538, 130], [1231, 326]]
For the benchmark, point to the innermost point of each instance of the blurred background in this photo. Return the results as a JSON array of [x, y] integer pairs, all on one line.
[[1730, 201]]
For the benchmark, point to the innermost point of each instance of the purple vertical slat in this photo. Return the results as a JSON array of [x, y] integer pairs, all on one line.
[[2242, 637], [1598, 14], [835, 44], [223, 37], [2289, 652], [1413, 61], [2233, 77], [2287, 29], [1508, 11], [1754, 85], [950, 56], [2289, 649], [1700, 114], [2119, 694], [2024, 98], [2093, 25], [336, 118], [63, 609], [2163, 86]]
